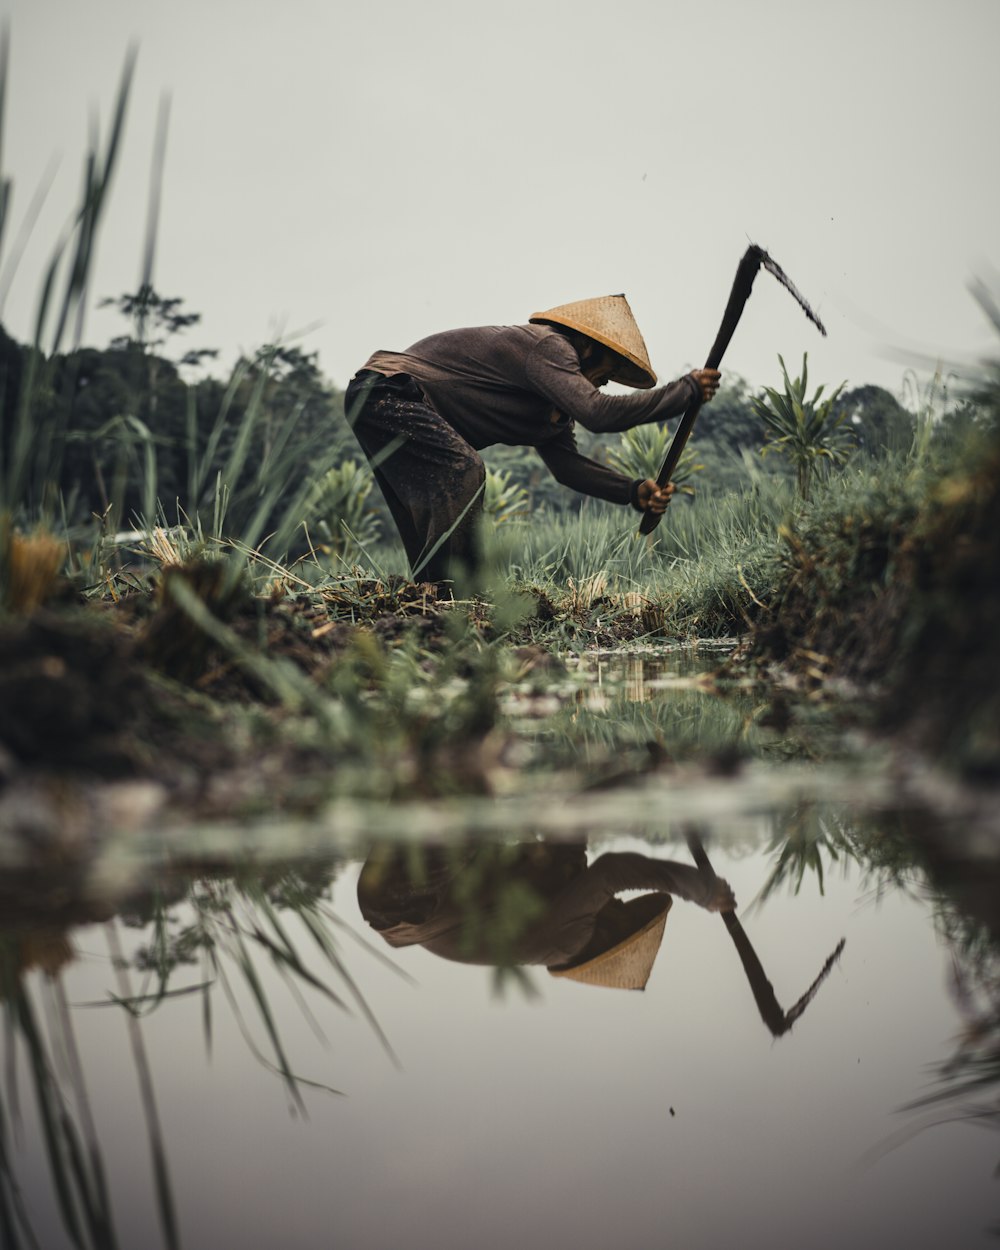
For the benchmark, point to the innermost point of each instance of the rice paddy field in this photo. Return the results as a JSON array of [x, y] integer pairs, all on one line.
[[296, 853]]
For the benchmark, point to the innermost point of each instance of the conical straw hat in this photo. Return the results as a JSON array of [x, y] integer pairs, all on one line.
[[627, 965], [609, 320]]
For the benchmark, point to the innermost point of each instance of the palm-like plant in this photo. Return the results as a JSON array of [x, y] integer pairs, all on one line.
[[339, 509], [808, 431], [642, 450], [503, 498]]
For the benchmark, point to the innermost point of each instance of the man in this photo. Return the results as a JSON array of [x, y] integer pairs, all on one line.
[[423, 415], [533, 903]]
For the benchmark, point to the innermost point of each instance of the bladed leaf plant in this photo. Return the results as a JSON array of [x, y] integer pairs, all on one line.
[[641, 451], [808, 431]]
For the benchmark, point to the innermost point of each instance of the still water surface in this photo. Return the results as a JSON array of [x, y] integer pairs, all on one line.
[[183, 1028]]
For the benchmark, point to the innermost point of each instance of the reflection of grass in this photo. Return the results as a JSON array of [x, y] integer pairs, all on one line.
[[611, 727], [966, 1086], [806, 840], [232, 925], [235, 930], [72, 1147], [809, 840]]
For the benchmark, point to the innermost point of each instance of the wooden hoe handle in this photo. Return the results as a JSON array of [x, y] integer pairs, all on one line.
[[771, 1012], [738, 296]]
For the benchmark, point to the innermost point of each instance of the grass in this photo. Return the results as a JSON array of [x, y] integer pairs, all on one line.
[[890, 580], [250, 937]]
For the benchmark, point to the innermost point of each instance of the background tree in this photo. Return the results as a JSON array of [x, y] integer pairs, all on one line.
[[155, 319], [879, 420], [730, 424]]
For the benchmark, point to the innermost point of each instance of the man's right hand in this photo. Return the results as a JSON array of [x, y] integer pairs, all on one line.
[[721, 898], [708, 380]]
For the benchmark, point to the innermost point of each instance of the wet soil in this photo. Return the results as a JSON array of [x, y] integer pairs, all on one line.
[[136, 689]]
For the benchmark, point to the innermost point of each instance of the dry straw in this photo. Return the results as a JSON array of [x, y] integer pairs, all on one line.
[[33, 564]]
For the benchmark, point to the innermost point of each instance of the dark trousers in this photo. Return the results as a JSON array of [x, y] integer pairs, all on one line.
[[432, 479]]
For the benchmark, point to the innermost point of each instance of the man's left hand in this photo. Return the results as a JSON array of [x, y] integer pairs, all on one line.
[[653, 498]]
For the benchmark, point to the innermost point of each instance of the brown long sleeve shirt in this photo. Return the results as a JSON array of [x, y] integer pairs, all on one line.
[[523, 386]]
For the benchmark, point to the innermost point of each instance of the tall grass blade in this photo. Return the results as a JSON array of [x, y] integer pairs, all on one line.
[[155, 192], [12, 262], [15, 1226], [5, 182], [101, 1207], [249, 972], [50, 1114], [96, 185]]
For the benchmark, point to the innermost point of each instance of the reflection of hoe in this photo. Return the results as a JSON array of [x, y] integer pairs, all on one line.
[[754, 258], [777, 1020]]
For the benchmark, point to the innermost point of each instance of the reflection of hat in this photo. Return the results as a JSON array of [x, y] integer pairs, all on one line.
[[626, 965], [609, 320]]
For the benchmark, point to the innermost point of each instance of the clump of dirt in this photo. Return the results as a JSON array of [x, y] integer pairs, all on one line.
[[148, 688], [310, 630], [76, 696]]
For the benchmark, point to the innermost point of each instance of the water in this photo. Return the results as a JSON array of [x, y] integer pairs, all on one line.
[[478, 1107]]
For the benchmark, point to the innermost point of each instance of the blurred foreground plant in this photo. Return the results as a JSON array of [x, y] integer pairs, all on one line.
[[31, 437]]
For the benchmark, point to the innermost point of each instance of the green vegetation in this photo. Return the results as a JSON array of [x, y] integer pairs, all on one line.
[[889, 579], [641, 451], [213, 551], [200, 591]]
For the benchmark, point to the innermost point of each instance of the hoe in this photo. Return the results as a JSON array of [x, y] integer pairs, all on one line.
[[754, 258]]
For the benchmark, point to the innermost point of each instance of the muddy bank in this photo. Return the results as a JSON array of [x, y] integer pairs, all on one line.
[[141, 688]]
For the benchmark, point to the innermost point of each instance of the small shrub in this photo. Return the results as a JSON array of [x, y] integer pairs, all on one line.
[[641, 451]]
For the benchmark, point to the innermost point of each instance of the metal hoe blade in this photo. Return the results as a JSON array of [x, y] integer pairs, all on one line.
[[754, 258], [774, 268]]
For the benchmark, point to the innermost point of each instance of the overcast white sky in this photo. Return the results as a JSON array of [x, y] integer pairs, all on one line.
[[378, 171]]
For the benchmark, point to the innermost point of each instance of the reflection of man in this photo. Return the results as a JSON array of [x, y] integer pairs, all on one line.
[[533, 904]]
